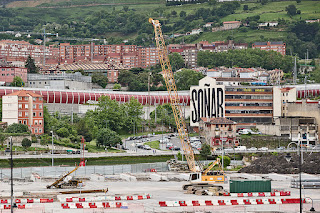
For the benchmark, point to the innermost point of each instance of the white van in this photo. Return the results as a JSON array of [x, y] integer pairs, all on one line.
[[240, 148]]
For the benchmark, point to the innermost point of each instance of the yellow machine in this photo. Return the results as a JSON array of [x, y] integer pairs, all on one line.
[[60, 184], [195, 167]]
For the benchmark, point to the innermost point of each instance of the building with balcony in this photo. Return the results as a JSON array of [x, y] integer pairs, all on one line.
[[216, 131], [277, 46], [24, 107]]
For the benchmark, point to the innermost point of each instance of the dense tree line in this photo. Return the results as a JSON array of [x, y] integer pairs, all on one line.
[[246, 58], [302, 37], [104, 124]]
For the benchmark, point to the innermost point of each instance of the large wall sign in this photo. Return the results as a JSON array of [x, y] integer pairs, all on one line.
[[206, 100]]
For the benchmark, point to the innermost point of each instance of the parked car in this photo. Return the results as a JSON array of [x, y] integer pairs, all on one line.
[[281, 148], [263, 149], [240, 148], [253, 149], [169, 145], [176, 148], [146, 147]]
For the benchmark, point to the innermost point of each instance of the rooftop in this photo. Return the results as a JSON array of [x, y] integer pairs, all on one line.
[[218, 121], [24, 93]]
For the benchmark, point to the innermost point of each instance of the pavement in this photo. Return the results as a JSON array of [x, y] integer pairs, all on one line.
[[160, 191]]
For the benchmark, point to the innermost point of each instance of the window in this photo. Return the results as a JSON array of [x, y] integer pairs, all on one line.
[[26, 114], [34, 99], [35, 122], [40, 106], [26, 106], [25, 122], [34, 114], [36, 130], [26, 98], [40, 122], [40, 130], [19, 98], [20, 122], [20, 106], [40, 114], [34, 106], [40, 99], [20, 114]]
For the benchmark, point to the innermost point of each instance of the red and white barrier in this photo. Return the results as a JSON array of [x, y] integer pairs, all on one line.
[[27, 200], [19, 206], [233, 202], [259, 194], [104, 198], [93, 205]]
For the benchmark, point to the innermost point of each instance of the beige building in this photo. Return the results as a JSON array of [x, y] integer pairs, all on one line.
[[229, 25], [216, 131], [281, 98]]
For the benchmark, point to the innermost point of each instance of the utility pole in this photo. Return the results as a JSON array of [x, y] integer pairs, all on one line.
[[148, 115], [52, 161], [44, 46], [11, 163], [295, 71]]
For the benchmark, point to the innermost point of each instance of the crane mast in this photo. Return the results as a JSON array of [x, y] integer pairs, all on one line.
[[173, 94]]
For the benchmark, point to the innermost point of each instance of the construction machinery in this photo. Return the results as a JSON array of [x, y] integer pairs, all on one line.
[[198, 173], [61, 183]]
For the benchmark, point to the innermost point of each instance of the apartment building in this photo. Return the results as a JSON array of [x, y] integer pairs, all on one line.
[[281, 98], [278, 46], [20, 50], [7, 74], [24, 107], [249, 105]]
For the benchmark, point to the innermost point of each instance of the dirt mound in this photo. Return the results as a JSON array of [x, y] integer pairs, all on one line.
[[278, 164]]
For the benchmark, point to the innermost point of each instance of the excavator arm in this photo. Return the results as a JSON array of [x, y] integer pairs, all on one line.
[[212, 165], [62, 178]]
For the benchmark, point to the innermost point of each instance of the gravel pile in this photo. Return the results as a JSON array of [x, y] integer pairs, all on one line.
[[278, 164]]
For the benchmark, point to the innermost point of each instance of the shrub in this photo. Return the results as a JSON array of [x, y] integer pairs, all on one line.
[[17, 128], [26, 143], [63, 132], [226, 161]]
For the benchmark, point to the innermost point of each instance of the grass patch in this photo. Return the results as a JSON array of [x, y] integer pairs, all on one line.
[[20, 148], [28, 162], [153, 144]]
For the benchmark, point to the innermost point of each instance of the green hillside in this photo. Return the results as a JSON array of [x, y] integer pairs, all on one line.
[[119, 20]]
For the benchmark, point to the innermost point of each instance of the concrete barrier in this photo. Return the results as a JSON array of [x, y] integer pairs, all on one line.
[[157, 177], [128, 177]]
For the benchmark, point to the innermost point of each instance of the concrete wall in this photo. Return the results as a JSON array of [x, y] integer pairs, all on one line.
[[10, 109], [269, 129], [305, 110]]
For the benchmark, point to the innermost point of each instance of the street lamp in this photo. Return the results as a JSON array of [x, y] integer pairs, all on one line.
[[52, 147], [288, 158], [13, 205], [312, 208]]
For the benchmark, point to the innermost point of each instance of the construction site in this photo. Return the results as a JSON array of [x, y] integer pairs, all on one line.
[[174, 186]]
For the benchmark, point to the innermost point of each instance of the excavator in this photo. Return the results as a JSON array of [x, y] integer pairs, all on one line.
[[198, 177], [61, 184]]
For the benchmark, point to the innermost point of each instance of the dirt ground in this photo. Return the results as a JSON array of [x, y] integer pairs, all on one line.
[[278, 164]]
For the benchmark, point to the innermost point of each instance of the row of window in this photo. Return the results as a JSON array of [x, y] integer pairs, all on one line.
[[248, 96], [249, 111], [26, 106], [20, 98], [26, 114], [249, 104]]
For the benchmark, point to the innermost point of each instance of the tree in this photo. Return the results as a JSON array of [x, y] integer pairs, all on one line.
[[3, 138], [108, 138], [186, 78], [30, 65], [183, 14], [298, 1], [17, 82], [291, 10], [100, 79], [245, 7], [173, 13], [63, 132], [176, 61], [117, 87], [125, 8], [133, 111], [26, 143], [205, 150], [226, 161], [17, 128], [84, 130]]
